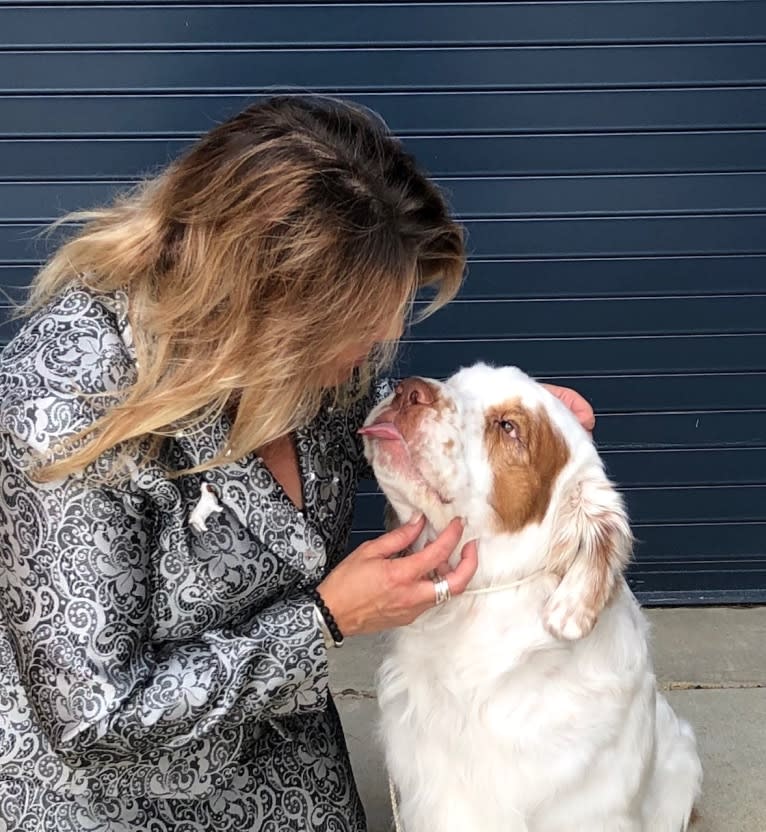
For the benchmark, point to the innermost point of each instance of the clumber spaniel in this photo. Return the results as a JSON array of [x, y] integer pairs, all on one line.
[[528, 703]]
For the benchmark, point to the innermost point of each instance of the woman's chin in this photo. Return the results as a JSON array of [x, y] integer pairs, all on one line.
[[338, 375], [331, 378]]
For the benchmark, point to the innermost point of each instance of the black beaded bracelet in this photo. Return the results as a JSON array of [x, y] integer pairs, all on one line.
[[329, 618]]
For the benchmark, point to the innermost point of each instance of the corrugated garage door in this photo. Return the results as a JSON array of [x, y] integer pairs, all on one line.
[[609, 159]]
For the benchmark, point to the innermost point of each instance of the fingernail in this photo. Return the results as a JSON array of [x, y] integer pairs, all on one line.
[[463, 521], [415, 519]]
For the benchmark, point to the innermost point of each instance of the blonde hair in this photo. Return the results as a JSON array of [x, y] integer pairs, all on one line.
[[284, 234]]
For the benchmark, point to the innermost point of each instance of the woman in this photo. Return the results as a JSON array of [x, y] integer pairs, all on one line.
[[179, 460]]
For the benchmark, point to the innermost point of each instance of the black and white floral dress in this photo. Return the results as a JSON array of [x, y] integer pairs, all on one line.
[[155, 675]]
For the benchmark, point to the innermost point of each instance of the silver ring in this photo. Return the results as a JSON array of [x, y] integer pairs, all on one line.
[[442, 590]]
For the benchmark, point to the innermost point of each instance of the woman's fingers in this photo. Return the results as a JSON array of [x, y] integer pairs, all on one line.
[[579, 405], [393, 542], [368, 592], [427, 559], [457, 578], [461, 575]]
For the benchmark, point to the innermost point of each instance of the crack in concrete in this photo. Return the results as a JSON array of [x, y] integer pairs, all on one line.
[[712, 685], [354, 693]]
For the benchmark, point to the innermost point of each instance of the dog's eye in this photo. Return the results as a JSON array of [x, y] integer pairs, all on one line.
[[509, 427]]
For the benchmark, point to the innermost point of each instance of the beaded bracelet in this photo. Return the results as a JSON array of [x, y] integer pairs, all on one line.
[[327, 617]]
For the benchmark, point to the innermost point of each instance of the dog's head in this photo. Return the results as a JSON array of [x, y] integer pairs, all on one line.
[[495, 447]]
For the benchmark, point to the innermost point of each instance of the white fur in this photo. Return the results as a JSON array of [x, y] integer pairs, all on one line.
[[490, 722]]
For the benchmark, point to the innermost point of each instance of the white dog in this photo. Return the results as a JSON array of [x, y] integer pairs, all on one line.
[[529, 703]]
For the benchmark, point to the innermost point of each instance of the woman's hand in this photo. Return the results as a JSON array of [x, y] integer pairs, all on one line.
[[576, 403], [370, 591]]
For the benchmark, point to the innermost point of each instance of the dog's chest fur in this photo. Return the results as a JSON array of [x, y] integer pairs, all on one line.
[[480, 699]]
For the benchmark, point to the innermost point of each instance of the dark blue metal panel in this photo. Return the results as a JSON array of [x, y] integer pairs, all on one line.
[[681, 545], [486, 320], [489, 321], [456, 155], [653, 506], [486, 197], [609, 159], [223, 25], [621, 195], [624, 277], [671, 390], [535, 238], [634, 399], [618, 236], [586, 277], [563, 357], [140, 113], [687, 467], [700, 428], [437, 68]]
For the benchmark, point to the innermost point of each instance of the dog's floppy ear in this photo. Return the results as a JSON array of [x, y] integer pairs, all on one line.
[[592, 544]]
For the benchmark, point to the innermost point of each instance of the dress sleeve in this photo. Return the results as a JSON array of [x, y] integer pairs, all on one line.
[[77, 596]]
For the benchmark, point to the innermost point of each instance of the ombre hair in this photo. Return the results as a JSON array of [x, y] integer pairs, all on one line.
[[284, 235]]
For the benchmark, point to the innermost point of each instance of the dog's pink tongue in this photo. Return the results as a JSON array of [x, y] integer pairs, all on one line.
[[381, 430]]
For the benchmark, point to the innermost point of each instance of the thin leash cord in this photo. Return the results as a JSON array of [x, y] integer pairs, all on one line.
[[394, 805], [486, 590]]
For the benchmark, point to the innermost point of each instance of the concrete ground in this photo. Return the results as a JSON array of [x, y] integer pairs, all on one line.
[[710, 661]]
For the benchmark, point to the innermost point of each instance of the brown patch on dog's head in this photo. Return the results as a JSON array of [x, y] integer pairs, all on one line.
[[526, 453]]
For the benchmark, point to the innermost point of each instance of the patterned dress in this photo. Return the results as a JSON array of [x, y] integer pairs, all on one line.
[[155, 676]]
